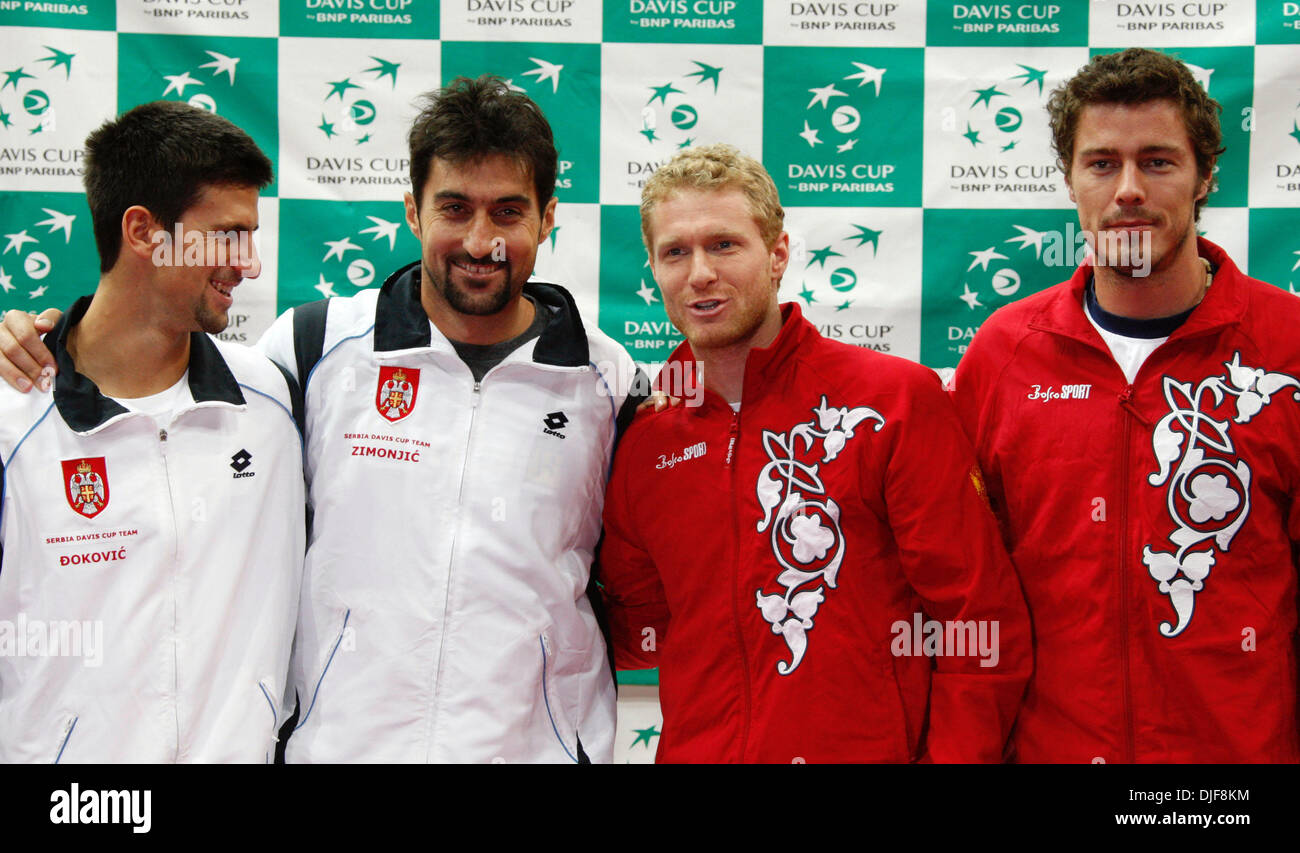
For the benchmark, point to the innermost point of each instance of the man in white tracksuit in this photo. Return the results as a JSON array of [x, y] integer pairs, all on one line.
[[459, 432], [152, 523]]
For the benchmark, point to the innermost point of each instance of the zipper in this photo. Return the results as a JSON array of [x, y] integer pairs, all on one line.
[[546, 697], [306, 715], [67, 735], [176, 548], [1125, 668], [475, 396], [734, 436], [275, 717]]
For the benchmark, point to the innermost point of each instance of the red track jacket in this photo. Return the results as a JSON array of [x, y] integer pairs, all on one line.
[[1153, 524], [796, 545]]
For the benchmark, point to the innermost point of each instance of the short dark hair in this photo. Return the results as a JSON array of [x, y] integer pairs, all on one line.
[[1135, 76], [161, 155], [468, 120]]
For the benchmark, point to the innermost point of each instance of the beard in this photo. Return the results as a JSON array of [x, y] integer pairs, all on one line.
[[210, 320], [212, 323], [475, 302]]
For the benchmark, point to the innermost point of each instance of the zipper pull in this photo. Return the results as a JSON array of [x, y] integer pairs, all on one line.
[[473, 400], [734, 432], [1125, 402], [162, 435]]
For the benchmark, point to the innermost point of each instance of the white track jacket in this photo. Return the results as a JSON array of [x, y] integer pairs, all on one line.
[[445, 614], [150, 570]]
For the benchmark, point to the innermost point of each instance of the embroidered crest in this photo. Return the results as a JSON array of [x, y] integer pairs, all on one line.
[[395, 396], [1209, 493], [805, 522], [86, 485]]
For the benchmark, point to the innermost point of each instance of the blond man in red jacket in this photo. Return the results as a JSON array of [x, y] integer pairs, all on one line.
[[807, 555]]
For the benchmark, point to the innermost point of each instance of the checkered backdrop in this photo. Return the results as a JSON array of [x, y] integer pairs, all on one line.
[[907, 138]]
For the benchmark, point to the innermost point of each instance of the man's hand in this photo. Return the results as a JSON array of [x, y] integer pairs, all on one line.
[[658, 401], [24, 359]]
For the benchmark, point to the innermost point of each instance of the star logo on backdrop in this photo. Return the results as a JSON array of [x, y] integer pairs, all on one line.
[[178, 83], [707, 74], [1028, 237], [349, 108], [546, 71], [866, 235], [344, 259], [820, 256], [31, 253], [832, 286], [385, 69], [983, 258], [824, 94], [221, 64], [59, 222], [340, 88], [1031, 76], [990, 269], [839, 119], [868, 74], [677, 113], [643, 736], [12, 78], [57, 58], [17, 241], [646, 292], [987, 95], [217, 66], [997, 111], [1201, 75], [381, 229], [29, 102], [661, 93], [339, 248]]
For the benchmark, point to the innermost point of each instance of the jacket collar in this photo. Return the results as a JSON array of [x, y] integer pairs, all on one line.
[[1223, 305], [763, 363], [402, 324], [84, 408]]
